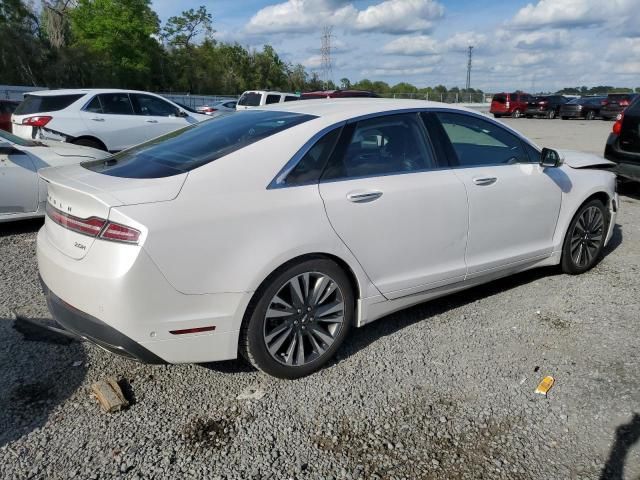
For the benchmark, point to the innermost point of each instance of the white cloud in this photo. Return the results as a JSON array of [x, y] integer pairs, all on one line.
[[417, 45], [389, 16], [546, 39]]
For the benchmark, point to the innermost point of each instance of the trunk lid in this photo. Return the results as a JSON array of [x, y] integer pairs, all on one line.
[[84, 194]]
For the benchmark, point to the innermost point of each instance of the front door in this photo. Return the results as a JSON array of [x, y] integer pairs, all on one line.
[[404, 219], [513, 201]]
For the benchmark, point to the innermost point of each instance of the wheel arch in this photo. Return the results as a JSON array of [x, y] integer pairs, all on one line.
[[92, 138], [601, 195]]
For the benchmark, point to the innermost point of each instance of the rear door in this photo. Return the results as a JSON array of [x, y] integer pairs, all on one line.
[[513, 202], [110, 117], [403, 217], [18, 183]]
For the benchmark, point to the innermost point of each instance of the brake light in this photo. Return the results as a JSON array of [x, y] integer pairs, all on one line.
[[208, 109], [94, 227], [617, 127], [604, 102], [624, 103], [39, 121], [543, 102]]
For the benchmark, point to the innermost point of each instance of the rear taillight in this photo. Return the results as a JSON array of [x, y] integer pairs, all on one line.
[[624, 103], [604, 102], [94, 227], [617, 127], [39, 121], [543, 102]]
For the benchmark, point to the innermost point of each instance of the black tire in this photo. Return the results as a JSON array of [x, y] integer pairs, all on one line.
[[571, 265], [253, 343], [565, 118], [590, 115], [496, 115], [90, 142], [516, 113], [551, 115]]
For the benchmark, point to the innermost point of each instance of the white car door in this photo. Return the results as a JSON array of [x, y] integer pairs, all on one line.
[[159, 115], [18, 181], [403, 218], [110, 118], [513, 202]]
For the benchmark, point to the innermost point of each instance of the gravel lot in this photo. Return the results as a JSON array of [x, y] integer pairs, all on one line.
[[444, 390]]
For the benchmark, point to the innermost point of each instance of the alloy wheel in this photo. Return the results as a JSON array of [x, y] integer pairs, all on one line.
[[587, 236], [304, 318]]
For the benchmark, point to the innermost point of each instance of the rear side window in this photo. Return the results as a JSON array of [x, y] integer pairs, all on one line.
[[311, 165], [94, 106], [197, 144], [116, 104], [273, 99], [250, 99], [290, 98], [478, 142], [229, 105], [381, 146], [48, 103], [500, 98]]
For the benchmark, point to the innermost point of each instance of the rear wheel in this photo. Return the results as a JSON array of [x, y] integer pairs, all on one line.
[[516, 113], [496, 115], [584, 241], [565, 118], [590, 115], [551, 115], [89, 142], [299, 319]]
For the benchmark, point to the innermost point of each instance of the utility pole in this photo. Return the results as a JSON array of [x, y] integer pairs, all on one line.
[[325, 51], [469, 68]]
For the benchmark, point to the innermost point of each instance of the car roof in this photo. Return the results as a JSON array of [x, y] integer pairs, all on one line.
[[77, 91], [339, 109]]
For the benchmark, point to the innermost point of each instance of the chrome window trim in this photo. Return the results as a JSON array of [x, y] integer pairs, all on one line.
[[279, 179]]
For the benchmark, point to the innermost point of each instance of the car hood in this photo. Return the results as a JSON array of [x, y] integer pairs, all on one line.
[[576, 159]]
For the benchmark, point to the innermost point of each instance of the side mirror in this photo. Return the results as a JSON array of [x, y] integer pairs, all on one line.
[[550, 158]]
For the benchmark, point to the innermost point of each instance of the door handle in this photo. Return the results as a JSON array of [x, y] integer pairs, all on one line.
[[485, 180], [98, 119], [151, 121], [363, 197]]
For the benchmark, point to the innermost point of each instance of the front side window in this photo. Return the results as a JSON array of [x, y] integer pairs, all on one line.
[[196, 145], [116, 104], [152, 106], [272, 99], [478, 142], [382, 146]]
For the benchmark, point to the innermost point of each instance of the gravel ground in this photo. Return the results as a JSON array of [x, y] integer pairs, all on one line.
[[444, 390]]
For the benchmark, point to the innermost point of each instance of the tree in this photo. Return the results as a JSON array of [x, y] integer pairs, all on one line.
[[121, 37], [181, 31], [22, 51], [345, 84]]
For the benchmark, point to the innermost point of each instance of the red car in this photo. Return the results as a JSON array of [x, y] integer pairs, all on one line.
[[510, 104], [6, 109], [337, 94]]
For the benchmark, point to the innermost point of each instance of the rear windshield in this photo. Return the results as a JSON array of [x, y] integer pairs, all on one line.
[[196, 145], [616, 97], [250, 99], [49, 103], [500, 98]]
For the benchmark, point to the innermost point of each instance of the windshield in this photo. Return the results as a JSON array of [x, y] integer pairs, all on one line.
[[10, 137], [196, 145], [45, 103], [250, 99]]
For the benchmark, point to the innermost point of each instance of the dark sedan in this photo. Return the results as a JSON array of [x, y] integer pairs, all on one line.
[[545, 106], [6, 109], [584, 107], [616, 103]]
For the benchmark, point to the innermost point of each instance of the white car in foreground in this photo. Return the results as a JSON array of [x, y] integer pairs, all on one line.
[[106, 119], [22, 194], [272, 232]]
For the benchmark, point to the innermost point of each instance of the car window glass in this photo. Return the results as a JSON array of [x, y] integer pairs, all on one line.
[[116, 104], [290, 98], [46, 103], [500, 98], [310, 166], [152, 106], [479, 142], [250, 99], [383, 145], [94, 105], [273, 99], [229, 105]]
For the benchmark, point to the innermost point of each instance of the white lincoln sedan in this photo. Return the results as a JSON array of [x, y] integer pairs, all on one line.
[[272, 232]]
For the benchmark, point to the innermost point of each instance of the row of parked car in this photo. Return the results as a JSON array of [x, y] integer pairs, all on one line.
[[519, 104]]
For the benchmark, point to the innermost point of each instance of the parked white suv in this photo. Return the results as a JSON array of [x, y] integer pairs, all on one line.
[[106, 119], [259, 98]]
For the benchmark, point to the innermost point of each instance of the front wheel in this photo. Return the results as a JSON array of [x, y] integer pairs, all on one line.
[[551, 115], [585, 238], [516, 113], [299, 319], [590, 115]]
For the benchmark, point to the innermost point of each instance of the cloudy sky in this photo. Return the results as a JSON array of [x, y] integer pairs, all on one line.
[[534, 46]]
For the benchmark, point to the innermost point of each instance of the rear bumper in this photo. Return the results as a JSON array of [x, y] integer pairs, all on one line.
[[117, 298], [627, 164], [96, 331], [609, 114]]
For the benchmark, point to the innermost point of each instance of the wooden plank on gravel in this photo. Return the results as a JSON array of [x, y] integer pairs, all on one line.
[[109, 395]]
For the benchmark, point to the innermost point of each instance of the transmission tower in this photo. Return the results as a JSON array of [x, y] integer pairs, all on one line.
[[325, 51], [469, 68]]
